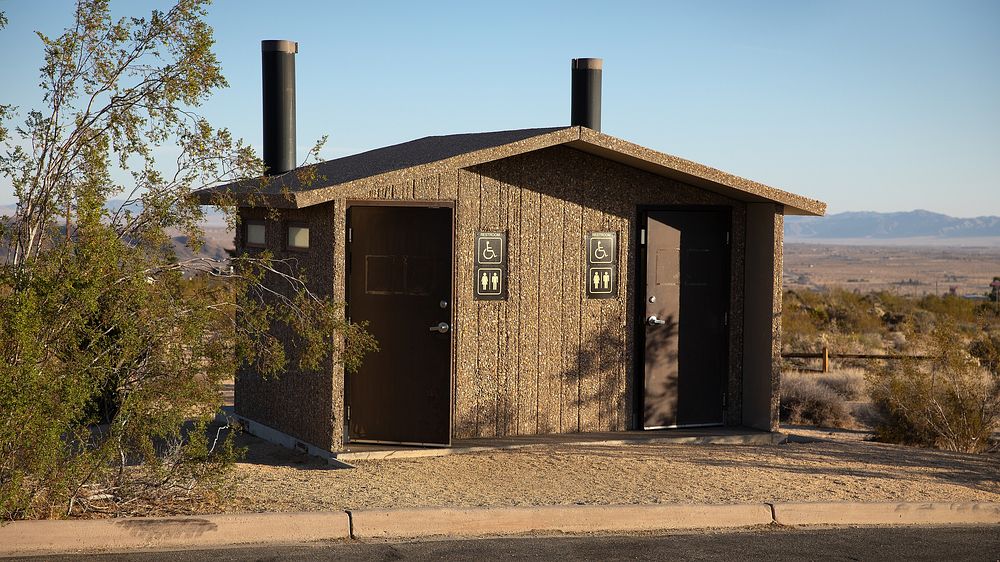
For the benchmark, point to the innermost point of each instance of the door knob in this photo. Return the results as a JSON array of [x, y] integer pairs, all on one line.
[[654, 321], [442, 328]]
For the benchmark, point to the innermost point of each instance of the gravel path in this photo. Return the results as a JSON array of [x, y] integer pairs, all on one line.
[[273, 480]]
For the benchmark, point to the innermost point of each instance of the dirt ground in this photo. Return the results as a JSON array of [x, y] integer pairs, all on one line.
[[846, 469], [904, 270]]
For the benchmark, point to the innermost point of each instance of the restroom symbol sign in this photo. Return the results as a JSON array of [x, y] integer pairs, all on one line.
[[490, 281], [600, 279], [490, 248], [602, 265], [602, 249], [490, 271]]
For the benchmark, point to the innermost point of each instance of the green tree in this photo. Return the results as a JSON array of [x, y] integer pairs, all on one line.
[[108, 343]]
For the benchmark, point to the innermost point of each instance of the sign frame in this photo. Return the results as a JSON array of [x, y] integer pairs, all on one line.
[[601, 278], [489, 280]]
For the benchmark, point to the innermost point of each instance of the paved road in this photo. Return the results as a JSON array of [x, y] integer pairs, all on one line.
[[952, 544]]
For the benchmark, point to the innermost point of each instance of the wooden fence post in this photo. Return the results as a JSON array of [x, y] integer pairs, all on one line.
[[826, 359]]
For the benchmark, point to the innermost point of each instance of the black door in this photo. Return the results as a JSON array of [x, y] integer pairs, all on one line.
[[686, 299], [400, 284]]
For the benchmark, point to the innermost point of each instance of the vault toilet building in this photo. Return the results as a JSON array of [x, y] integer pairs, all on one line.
[[520, 282]]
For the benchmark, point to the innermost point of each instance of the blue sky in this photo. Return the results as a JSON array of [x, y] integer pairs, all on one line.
[[886, 106]]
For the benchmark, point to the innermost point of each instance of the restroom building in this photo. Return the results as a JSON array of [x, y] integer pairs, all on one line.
[[521, 282]]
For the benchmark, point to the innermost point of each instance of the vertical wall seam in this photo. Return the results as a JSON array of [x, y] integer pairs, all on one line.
[[503, 334], [538, 320], [563, 367], [580, 273], [501, 307], [520, 298], [455, 288], [599, 344], [478, 377]]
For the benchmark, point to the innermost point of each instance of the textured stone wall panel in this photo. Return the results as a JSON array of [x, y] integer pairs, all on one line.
[[489, 320], [555, 324], [511, 328], [528, 311], [779, 256], [300, 404], [593, 386], [468, 383], [548, 359]]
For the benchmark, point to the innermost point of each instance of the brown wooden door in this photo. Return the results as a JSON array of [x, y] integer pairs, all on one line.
[[400, 280], [686, 299]]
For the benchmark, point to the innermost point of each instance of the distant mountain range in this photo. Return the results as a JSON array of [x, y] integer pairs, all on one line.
[[919, 224]]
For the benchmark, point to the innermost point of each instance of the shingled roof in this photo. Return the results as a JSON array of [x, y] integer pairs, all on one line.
[[318, 183]]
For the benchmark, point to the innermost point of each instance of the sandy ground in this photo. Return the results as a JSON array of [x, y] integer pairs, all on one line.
[[846, 469], [831, 465], [905, 270]]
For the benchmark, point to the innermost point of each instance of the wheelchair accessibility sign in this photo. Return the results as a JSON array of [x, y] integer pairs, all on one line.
[[602, 265], [490, 277]]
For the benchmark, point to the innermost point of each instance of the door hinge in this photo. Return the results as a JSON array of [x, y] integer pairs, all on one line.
[[727, 238], [642, 237], [350, 235], [725, 400], [348, 411], [725, 318]]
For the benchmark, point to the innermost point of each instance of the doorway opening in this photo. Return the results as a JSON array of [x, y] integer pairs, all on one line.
[[683, 306], [399, 282]]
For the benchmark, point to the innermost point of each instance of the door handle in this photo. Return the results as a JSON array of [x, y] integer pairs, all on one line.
[[654, 321], [442, 328]]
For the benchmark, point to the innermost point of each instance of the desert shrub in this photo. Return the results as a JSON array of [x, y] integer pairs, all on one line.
[[847, 385], [866, 414], [893, 305], [951, 403], [898, 339], [951, 306], [853, 313], [986, 348], [801, 318], [797, 322], [805, 400], [809, 318]]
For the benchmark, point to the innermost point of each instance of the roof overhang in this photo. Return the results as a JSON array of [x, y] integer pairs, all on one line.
[[308, 185]]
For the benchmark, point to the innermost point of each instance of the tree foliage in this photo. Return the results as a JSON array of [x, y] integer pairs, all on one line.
[[108, 343]]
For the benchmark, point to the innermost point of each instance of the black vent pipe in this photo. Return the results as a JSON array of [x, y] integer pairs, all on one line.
[[585, 109], [277, 59]]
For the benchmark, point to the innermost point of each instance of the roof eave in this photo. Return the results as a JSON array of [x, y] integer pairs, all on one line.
[[247, 192], [237, 195], [687, 171], [467, 160]]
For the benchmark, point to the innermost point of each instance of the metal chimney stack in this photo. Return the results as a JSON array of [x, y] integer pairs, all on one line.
[[586, 104], [277, 59]]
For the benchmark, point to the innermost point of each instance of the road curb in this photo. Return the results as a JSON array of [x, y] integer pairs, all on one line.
[[46, 537], [896, 513], [50, 537], [422, 522]]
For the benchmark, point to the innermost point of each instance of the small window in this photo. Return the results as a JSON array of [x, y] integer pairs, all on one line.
[[256, 234], [298, 237]]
